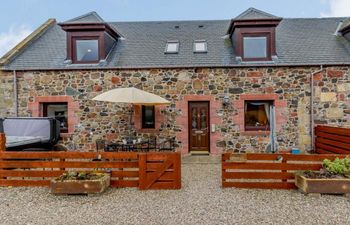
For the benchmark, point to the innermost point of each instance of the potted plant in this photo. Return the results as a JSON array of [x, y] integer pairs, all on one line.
[[80, 183], [333, 178]]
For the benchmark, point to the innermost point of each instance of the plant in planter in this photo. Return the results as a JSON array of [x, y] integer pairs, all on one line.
[[80, 183], [333, 178]]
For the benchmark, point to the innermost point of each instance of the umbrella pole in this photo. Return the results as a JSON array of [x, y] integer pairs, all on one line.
[[131, 124]]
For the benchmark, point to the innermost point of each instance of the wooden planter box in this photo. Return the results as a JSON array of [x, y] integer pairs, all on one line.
[[322, 186], [80, 186]]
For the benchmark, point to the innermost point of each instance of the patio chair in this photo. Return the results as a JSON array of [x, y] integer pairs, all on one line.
[[167, 145], [152, 143], [100, 145], [142, 146]]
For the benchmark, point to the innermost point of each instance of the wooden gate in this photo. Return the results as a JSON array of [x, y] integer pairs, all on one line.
[[159, 171]]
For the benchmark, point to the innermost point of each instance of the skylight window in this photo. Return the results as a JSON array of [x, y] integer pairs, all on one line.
[[200, 46], [172, 47]]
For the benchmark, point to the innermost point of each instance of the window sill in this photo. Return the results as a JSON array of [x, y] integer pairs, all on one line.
[[65, 135], [255, 133], [148, 130]]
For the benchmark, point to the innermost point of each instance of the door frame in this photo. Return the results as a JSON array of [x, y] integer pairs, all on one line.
[[189, 123]]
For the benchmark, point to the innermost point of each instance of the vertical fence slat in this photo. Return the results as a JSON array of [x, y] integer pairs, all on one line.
[[2, 142], [177, 171], [142, 171], [2, 148]]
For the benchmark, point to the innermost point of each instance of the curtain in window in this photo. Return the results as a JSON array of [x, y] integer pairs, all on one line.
[[266, 107]]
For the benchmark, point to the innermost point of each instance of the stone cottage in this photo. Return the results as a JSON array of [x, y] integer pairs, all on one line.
[[223, 78]]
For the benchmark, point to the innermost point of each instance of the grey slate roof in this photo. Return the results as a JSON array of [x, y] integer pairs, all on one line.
[[299, 42], [253, 13]]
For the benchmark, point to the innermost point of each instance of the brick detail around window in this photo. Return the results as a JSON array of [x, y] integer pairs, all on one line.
[[36, 108], [280, 111], [182, 121], [137, 119]]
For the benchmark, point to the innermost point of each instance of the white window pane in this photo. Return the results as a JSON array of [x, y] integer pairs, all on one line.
[[254, 47], [200, 46], [58, 111], [87, 50], [172, 47]]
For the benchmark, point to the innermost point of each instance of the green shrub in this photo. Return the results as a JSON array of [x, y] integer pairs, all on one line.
[[338, 166]]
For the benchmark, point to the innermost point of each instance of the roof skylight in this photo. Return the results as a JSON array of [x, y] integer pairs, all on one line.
[[200, 46], [172, 47]]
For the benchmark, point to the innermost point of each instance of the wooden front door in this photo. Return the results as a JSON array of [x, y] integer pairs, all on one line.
[[199, 126]]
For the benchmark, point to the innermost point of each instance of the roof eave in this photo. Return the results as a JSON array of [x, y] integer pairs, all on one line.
[[183, 66], [253, 22], [70, 26]]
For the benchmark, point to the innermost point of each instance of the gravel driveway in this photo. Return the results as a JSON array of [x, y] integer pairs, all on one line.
[[200, 201]]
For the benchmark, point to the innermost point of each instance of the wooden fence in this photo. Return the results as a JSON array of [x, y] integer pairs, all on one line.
[[126, 168], [267, 171], [332, 140]]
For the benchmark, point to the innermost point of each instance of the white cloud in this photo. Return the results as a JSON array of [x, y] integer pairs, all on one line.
[[13, 36], [337, 8]]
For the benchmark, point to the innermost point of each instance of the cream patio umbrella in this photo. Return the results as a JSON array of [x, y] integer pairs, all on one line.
[[132, 96]]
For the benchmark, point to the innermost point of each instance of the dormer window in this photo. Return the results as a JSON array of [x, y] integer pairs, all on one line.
[[253, 35], [172, 47], [89, 43]]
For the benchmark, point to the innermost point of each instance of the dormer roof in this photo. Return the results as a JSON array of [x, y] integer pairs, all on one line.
[[252, 18], [345, 27], [254, 14], [91, 17]]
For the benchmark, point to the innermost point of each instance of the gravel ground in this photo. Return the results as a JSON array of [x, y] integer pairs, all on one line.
[[200, 201]]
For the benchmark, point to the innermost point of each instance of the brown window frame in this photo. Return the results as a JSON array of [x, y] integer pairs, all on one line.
[[74, 36], [268, 32], [254, 128], [44, 112], [146, 126]]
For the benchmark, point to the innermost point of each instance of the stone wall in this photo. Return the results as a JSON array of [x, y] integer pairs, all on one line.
[[95, 120], [6, 94]]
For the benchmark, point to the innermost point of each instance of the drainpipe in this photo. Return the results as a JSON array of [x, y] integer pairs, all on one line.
[[312, 107], [15, 93]]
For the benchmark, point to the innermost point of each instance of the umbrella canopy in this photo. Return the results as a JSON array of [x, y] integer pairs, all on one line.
[[131, 95]]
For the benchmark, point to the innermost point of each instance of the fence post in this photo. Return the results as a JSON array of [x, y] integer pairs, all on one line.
[[177, 170], [142, 170], [2, 142]]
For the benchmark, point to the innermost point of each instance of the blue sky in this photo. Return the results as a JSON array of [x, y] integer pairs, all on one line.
[[20, 17]]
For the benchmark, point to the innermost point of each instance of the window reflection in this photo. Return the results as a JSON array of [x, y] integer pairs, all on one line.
[[87, 50]]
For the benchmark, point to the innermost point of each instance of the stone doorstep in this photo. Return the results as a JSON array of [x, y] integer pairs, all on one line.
[[201, 159]]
